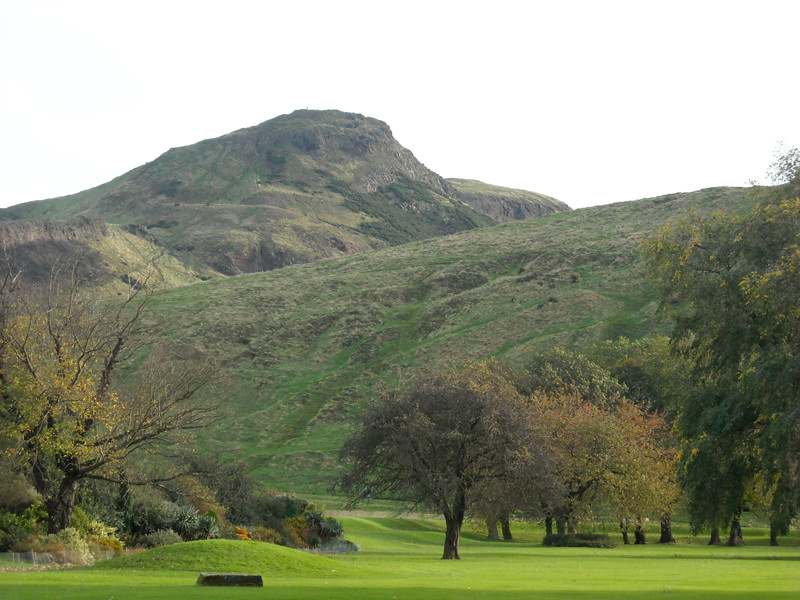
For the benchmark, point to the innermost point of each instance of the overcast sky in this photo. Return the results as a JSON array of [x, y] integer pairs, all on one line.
[[590, 102]]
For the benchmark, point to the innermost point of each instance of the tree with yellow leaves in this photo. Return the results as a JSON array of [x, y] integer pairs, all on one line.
[[60, 411]]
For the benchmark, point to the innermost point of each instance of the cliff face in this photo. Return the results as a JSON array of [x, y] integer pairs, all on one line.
[[33, 247], [505, 204], [31, 231]]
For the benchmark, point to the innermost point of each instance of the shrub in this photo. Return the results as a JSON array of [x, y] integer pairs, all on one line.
[[265, 534], [88, 526], [17, 531], [66, 546], [330, 528], [243, 534], [206, 527], [164, 537], [184, 522], [578, 540], [296, 527], [292, 538], [145, 511], [13, 537], [105, 548]]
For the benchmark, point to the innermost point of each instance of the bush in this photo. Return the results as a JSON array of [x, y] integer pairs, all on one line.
[[296, 527], [88, 526], [265, 534], [330, 528], [14, 538], [18, 530], [66, 546], [185, 522], [105, 548], [292, 539], [164, 537], [145, 511], [206, 527], [578, 540]]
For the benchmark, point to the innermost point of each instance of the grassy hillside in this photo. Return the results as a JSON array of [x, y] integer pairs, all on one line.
[[294, 189], [304, 344]]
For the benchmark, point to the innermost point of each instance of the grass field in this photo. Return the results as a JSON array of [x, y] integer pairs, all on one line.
[[400, 560]]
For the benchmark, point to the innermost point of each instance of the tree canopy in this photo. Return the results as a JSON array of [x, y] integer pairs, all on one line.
[[441, 437], [732, 284]]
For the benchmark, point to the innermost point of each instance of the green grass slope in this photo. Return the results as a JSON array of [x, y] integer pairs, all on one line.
[[224, 556], [304, 344]]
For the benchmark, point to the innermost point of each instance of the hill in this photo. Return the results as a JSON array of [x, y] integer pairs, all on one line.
[[304, 345], [502, 204], [294, 189]]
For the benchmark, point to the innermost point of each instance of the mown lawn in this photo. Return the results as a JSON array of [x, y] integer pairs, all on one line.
[[400, 560]]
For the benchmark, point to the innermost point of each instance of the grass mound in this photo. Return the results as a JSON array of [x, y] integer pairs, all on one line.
[[225, 556]]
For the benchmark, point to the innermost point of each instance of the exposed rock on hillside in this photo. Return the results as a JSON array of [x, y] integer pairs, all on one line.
[[503, 204], [15, 233], [33, 246]]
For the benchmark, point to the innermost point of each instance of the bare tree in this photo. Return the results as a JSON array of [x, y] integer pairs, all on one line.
[[60, 409]]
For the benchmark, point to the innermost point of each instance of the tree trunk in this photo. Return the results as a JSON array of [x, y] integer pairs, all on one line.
[[735, 538], [572, 526], [452, 533], [715, 539], [59, 507], [548, 525], [623, 527], [666, 530], [491, 524], [453, 519], [561, 526], [638, 534], [506, 526], [773, 535]]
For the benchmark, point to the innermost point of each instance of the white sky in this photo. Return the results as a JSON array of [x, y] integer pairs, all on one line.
[[590, 102]]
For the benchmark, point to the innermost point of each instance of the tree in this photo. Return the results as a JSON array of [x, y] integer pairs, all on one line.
[[732, 284], [440, 438], [657, 381], [583, 444], [786, 166], [60, 409], [643, 480], [655, 378], [608, 455], [558, 370]]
